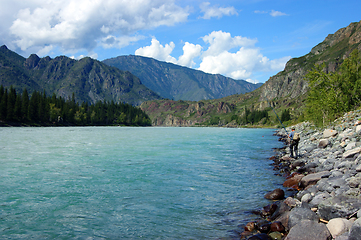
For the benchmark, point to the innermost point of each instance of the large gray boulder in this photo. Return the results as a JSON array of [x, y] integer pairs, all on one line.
[[308, 229], [338, 226], [341, 206], [355, 232], [277, 194], [313, 178], [299, 214]]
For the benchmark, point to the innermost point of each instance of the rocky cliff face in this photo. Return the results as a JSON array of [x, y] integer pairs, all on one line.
[[290, 83]]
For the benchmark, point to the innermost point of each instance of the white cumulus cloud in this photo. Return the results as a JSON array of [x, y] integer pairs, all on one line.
[[158, 51], [236, 57], [220, 41], [214, 11], [82, 24], [190, 51]]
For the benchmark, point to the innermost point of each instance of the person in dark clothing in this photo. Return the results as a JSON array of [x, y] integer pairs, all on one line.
[[294, 139]]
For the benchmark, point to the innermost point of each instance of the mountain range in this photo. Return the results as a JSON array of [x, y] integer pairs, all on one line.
[[180, 83], [91, 80]]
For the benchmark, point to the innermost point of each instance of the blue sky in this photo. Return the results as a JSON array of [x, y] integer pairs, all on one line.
[[250, 40]]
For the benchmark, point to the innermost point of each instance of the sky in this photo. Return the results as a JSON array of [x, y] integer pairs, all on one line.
[[243, 39]]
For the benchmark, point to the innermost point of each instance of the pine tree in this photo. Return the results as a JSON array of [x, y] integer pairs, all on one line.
[[25, 105], [34, 107], [11, 104], [3, 105], [17, 109]]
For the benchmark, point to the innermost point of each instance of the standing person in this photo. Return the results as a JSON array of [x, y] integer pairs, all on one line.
[[294, 139]]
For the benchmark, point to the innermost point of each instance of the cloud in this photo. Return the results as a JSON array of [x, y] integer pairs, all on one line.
[[236, 57], [214, 11], [157, 51], [190, 51], [277, 13], [239, 64], [82, 24], [112, 41], [163, 53], [273, 13], [220, 41]]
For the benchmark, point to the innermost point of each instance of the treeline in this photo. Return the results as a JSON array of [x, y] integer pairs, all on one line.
[[252, 117], [249, 117], [40, 109], [332, 94]]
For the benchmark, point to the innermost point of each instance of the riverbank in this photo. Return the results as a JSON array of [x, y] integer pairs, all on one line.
[[323, 183]]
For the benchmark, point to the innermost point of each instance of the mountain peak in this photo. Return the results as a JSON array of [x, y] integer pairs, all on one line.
[[32, 61], [4, 47]]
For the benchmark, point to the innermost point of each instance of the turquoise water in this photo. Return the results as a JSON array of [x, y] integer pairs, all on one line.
[[132, 183]]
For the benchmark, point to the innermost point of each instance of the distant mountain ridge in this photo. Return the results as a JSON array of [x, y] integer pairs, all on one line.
[[180, 83], [90, 80]]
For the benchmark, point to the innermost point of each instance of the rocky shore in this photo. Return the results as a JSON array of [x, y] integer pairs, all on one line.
[[323, 185]]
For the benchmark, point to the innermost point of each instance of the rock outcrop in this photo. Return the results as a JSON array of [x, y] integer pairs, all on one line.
[[290, 82]]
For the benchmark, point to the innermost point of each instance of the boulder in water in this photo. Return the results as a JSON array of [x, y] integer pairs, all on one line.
[[277, 194]]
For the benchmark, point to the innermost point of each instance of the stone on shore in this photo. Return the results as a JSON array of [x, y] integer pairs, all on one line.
[[338, 226], [293, 181], [341, 206], [260, 236], [351, 152], [275, 235], [329, 133], [320, 197], [292, 202], [282, 208], [323, 143], [299, 214], [313, 178], [277, 226], [355, 232], [358, 128], [277, 194], [307, 230]]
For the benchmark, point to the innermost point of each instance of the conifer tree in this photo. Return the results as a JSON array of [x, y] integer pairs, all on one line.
[[25, 105], [17, 109], [11, 104]]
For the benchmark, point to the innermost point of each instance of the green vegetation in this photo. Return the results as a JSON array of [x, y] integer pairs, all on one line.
[[39, 109], [332, 94], [286, 116], [251, 117]]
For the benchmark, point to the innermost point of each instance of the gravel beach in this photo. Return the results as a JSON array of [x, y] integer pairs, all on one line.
[[324, 185]]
